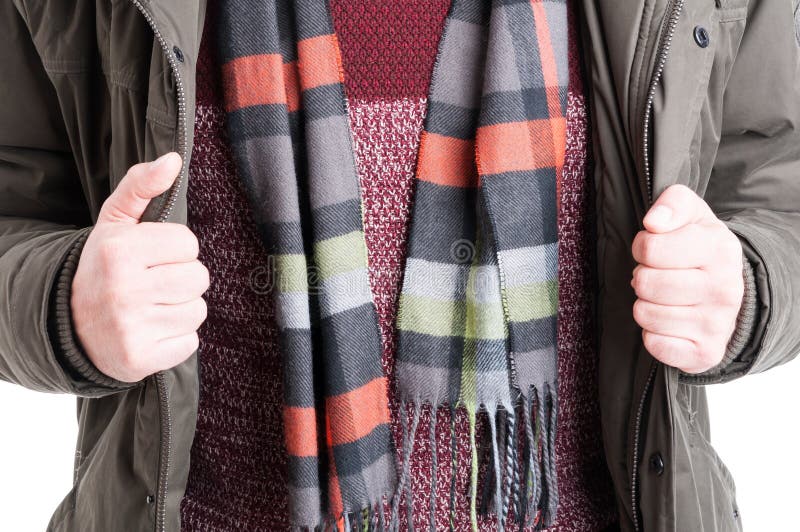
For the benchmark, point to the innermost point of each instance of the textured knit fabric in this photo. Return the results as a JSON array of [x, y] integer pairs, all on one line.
[[477, 312], [238, 476]]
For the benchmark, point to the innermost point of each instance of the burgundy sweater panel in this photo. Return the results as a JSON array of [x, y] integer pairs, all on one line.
[[237, 478]]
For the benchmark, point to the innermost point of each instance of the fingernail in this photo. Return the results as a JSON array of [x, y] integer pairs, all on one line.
[[158, 162], [660, 214]]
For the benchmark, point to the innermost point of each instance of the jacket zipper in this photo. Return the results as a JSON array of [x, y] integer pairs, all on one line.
[[674, 12], [165, 413]]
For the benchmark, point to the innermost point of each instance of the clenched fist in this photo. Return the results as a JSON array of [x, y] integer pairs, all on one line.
[[136, 296], [688, 282]]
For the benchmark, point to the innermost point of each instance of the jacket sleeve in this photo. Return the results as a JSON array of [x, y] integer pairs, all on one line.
[[44, 220], [755, 187]]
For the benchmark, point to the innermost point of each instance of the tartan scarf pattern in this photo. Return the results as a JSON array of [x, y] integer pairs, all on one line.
[[477, 309]]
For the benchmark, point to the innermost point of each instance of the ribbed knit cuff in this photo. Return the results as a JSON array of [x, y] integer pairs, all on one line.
[[746, 320], [745, 324], [65, 342]]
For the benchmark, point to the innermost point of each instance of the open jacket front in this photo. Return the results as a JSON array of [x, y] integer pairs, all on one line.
[[99, 86]]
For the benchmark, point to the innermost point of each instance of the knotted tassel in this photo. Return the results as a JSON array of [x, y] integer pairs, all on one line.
[[498, 486], [511, 464], [534, 487], [549, 414]]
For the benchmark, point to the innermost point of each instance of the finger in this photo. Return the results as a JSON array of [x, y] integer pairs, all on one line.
[[676, 352], [169, 321], [691, 246], [170, 352], [677, 206], [668, 320], [671, 287], [142, 183], [177, 283], [158, 243]]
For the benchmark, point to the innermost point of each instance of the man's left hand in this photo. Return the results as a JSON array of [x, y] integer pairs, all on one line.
[[688, 281]]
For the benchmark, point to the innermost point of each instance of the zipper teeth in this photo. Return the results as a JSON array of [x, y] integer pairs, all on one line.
[[663, 52], [664, 47], [163, 392], [163, 475], [637, 427], [172, 198]]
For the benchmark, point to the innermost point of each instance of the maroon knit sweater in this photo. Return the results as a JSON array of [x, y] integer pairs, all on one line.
[[237, 478]]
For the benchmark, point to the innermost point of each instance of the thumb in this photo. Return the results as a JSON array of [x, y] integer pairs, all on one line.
[[676, 207], [142, 183]]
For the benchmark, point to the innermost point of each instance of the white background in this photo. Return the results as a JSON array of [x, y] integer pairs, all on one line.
[[754, 429]]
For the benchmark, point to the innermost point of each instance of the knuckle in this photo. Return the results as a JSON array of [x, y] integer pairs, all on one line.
[[710, 354], [191, 240], [203, 277], [181, 237], [679, 188], [206, 278], [636, 245], [119, 324], [713, 323], [641, 313], [129, 358], [202, 311], [650, 342], [118, 298], [649, 247], [158, 283], [645, 246], [730, 294], [675, 194], [683, 194], [733, 246], [642, 281], [136, 169], [111, 251], [727, 248], [191, 345]]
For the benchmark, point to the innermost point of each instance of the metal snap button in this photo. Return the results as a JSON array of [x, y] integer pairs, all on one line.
[[657, 463], [701, 36], [178, 53]]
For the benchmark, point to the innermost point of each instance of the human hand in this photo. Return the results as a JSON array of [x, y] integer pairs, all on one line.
[[688, 281], [136, 295]]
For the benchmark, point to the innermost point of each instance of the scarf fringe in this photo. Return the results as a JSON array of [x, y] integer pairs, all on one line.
[[519, 482]]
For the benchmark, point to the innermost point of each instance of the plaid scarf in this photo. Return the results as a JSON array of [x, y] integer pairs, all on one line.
[[477, 309]]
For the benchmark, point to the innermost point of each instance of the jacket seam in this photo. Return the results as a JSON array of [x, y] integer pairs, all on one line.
[[66, 66], [733, 14], [157, 116], [120, 79]]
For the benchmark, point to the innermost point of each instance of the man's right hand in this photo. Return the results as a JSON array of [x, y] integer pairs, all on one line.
[[137, 293]]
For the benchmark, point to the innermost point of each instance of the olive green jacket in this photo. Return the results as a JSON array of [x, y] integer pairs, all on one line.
[[700, 92]]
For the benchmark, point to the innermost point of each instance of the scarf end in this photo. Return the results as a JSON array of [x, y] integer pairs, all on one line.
[[512, 468]]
